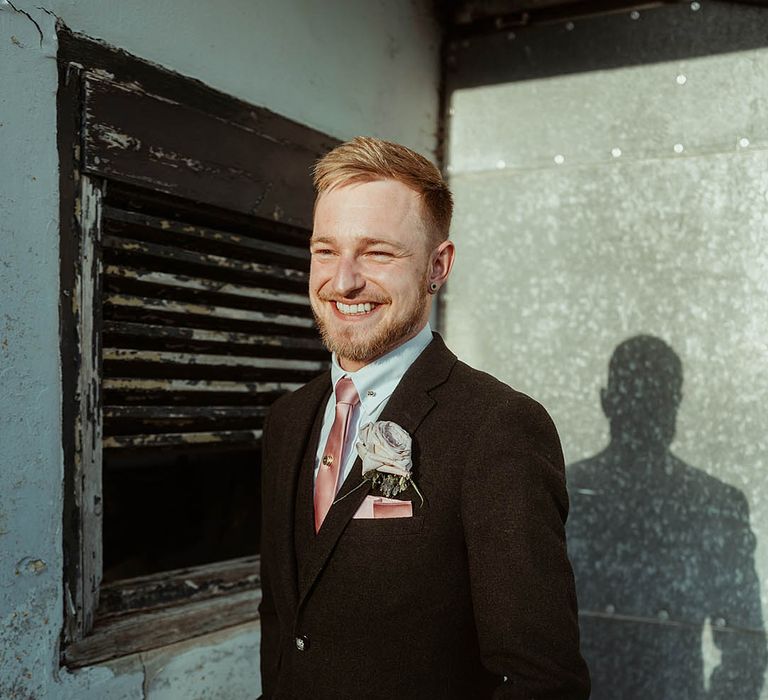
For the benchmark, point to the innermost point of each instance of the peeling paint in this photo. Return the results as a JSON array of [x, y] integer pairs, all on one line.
[[115, 139], [199, 385], [29, 565], [200, 283], [160, 357], [167, 439], [176, 159]]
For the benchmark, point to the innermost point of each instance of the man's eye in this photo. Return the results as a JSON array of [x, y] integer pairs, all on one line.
[[322, 251], [380, 253]]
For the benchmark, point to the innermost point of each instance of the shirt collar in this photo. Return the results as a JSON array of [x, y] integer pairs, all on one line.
[[377, 381]]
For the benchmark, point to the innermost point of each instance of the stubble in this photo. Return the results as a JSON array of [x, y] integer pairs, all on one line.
[[353, 345]]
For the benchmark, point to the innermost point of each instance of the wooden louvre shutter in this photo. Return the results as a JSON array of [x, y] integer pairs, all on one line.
[[202, 327], [204, 212], [205, 221]]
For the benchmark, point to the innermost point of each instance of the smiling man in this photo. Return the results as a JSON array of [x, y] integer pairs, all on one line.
[[413, 508], [372, 270]]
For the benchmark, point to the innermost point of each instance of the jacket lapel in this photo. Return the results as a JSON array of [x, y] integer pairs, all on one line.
[[408, 406], [288, 463]]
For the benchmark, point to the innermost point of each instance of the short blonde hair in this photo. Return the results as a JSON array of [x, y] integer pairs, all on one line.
[[364, 159]]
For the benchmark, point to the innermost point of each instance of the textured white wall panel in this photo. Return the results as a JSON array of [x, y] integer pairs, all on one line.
[[579, 225]]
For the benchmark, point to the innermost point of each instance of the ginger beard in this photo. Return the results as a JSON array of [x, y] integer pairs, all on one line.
[[365, 344]]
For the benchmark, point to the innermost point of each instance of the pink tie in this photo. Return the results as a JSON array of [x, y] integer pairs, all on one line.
[[327, 479]]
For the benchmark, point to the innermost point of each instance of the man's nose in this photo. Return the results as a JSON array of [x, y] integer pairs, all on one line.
[[348, 278]]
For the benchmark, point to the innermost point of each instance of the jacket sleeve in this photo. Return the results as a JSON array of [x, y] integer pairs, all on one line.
[[270, 635], [514, 507]]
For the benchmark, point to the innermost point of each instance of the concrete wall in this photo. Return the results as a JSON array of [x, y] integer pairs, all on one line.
[[341, 66], [595, 206]]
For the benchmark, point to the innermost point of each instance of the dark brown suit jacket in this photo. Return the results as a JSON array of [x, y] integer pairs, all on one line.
[[472, 597]]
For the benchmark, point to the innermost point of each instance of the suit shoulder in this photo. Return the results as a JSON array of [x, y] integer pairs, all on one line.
[[489, 404], [493, 413], [479, 388]]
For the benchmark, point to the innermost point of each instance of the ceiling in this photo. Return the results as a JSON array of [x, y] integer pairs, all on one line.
[[487, 15], [463, 12]]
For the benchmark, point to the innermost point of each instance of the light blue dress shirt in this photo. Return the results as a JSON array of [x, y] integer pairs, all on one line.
[[375, 383]]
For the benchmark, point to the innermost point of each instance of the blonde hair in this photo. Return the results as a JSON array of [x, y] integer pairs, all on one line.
[[364, 159]]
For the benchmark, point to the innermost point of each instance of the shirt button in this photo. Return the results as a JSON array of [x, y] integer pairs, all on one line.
[[302, 643]]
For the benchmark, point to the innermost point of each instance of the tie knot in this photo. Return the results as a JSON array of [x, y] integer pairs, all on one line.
[[346, 392]]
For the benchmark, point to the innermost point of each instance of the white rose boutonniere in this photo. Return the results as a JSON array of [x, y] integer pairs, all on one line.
[[385, 449]]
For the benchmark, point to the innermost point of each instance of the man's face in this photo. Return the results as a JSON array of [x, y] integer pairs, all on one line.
[[369, 272]]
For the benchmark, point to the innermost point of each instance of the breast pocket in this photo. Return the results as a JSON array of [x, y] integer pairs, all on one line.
[[382, 528]]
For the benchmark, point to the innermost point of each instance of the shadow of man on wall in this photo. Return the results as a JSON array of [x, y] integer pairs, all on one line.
[[662, 552]]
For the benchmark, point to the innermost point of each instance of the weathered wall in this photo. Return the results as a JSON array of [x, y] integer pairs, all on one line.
[[600, 203], [343, 67]]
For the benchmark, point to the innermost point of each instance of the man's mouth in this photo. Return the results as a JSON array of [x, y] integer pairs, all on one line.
[[355, 309]]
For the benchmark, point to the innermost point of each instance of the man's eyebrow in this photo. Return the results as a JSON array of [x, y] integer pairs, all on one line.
[[370, 242], [366, 242], [320, 239]]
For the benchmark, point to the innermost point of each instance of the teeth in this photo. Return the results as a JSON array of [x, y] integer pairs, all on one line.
[[351, 309]]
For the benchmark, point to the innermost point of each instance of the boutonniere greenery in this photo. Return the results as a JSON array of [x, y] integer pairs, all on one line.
[[385, 450]]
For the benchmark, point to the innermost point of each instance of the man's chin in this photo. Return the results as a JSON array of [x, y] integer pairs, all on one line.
[[352, 349], [365, 340], [368, 350], [354, 344]]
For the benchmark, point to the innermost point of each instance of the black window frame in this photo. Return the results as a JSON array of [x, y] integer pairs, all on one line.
[[272, 184]]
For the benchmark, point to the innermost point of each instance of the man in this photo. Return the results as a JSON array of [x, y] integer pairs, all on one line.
[[459, 585]]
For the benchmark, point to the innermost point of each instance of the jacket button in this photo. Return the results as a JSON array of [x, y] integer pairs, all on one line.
[[302, 643]]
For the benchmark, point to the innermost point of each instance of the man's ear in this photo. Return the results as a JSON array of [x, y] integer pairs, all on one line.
[[441, 263]]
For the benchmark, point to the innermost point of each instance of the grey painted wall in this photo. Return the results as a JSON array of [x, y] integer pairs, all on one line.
[[594, 207], [341, 66]]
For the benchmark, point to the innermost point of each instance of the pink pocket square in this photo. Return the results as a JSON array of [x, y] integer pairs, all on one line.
[[381, 507]]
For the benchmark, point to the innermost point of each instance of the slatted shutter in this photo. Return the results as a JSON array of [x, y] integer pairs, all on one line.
[[186, 217], [205, 321], [202, 327], [204, 317]]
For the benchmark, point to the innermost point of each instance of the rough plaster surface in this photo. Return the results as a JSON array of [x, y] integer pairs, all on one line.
[[219, 666], [335, 66], [228, 668], [560, 259], [30, 509]]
